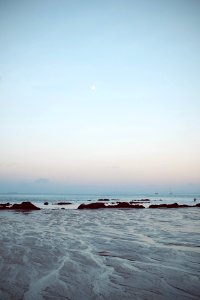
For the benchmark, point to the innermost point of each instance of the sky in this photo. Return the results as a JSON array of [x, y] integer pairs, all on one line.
[[99, 96]]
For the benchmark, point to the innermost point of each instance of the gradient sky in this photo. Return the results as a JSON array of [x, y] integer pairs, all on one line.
[[99, 95]]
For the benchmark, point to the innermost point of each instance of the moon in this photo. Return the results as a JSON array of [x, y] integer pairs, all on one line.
[[93, 87]]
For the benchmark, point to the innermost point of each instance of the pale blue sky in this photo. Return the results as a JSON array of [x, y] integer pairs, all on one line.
[[139, 130]]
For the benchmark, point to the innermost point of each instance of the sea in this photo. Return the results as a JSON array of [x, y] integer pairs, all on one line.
[[103, 254], [77, 199]]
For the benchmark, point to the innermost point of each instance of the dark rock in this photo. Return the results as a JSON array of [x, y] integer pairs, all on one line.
[[104, 253], [25, 206], [125, 205], [62, 208], [91, 206], [102, 205], [46, 203], [64, 203], [4, 205], [197, 205], [138, 202], [103, 199], [174, 205]]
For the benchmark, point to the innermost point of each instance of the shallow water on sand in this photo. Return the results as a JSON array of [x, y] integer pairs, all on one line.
[[100, 254]]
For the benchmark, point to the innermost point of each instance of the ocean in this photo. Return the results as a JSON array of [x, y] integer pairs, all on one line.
[[77, 199], [104, 254]]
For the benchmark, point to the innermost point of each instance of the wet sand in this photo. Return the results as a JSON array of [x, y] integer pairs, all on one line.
[[101, 254]]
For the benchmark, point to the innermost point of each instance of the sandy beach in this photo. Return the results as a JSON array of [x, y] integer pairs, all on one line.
[[99, 150], [101, 254]]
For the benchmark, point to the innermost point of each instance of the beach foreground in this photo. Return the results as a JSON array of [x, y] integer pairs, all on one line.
[[101, 254]]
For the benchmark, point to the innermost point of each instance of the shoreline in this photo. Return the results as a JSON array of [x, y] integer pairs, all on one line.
[[102, 204]]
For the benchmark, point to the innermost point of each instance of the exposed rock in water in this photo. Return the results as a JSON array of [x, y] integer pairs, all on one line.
[[4, 205], [103, 253], [174, 205], [125, 205], [138, 201], [91, 206], [102, 205], [46, 203], [103, 199], [25, 206], [64, 203]]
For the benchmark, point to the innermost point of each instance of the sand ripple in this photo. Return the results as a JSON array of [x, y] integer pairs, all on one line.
[[118, 254]]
